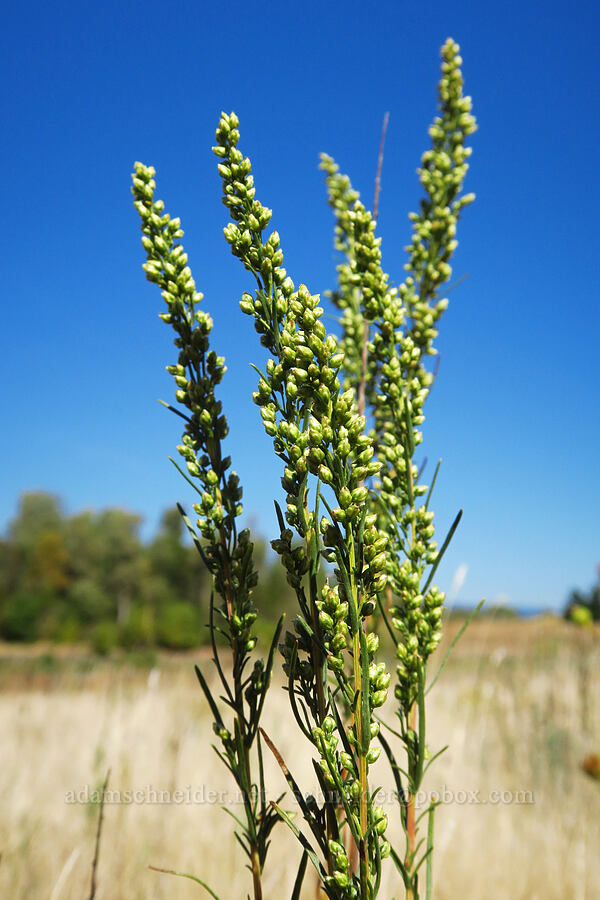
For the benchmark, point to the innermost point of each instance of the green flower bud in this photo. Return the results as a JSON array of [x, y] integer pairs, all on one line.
[[325, 474], [377, 700], [325, 620], [336, 849], [345, 497], [347, 761]]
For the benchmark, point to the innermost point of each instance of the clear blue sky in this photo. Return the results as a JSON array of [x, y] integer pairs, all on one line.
[[89, 88]]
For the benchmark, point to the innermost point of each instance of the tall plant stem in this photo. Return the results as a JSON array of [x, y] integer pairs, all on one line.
[[254, 853], [255, 857], [413, 762], [318, 665], [98, 835], [360, 685], [410, 806]]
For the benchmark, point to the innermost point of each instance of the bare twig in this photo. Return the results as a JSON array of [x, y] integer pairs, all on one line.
[[386, 119], [98, 835]]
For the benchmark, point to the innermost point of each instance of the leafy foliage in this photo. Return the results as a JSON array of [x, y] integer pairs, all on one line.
[[584, 606], [62, 576]]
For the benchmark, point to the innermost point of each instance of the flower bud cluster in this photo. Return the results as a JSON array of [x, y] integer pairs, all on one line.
[[335, 632], [244, 234], [442, 173], [326, 740], [316, 430], [403, 373], [402, 325], [294, 559], [366, 272], [342, 197], [337, 766], [298, 642], [395, 379], [341, 878], [314, 424], [418, 621], [197, 373], [375, 547], [333, 614]]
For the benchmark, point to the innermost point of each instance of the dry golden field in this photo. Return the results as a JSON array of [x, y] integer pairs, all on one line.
[[519, 705]]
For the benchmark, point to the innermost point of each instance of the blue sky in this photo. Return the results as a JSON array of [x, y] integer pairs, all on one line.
[[88, 89]]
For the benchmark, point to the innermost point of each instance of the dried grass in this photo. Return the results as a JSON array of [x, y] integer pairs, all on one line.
[[519, 705]]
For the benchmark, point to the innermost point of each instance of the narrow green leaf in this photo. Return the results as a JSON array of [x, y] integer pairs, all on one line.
[[399, 863], [245, 847], [304, 728], [186, 875], [280, 519], [174, 410], [267, 675], [432, 485], [421, 728], [235, 818], [386, 620], [215, 656], [303, 840], [429, 870], [308, 818], [365, 693], [194, 536], [341, 727], [185, 476], [300, 876], [209, 696], [435, 755], [444, 547]]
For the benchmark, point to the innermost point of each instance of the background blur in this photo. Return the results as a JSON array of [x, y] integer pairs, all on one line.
[[514, 414], [102, 600]]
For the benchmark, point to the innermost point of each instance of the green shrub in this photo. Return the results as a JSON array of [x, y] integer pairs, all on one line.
[[21, 617], [179, 627], [67, 630], [138, 631], [104, 638], [581, 600], [581, 615]]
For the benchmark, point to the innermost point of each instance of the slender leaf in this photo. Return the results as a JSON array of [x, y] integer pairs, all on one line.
[[174, 410], [432, 485], [186, 875], [209, 697], [429, 870], [443, 549], [300, 876]]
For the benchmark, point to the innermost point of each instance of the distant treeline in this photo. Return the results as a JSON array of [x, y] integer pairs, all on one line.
[[90, 577]]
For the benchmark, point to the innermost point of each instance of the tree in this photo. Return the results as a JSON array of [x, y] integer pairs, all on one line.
[[586, 600], [38, 512]]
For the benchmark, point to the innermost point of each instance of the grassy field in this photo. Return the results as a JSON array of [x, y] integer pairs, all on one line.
[[519, 705]]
